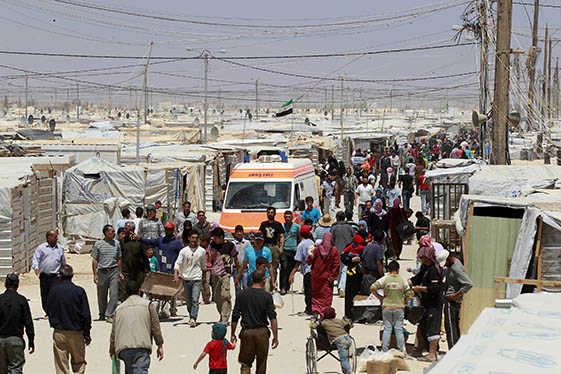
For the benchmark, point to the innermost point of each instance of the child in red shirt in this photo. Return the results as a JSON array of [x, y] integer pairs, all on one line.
[[216, 350]]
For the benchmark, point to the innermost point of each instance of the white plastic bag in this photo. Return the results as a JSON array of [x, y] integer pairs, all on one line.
[[364, 357], [277, 300]]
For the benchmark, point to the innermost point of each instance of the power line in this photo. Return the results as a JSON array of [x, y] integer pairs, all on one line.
[[541, 5], [207, 23], [212, 57]]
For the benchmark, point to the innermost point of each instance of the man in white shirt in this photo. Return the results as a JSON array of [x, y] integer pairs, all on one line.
[[241, 245], [189, 265], [364, 192], [185, 215], [328, 189]]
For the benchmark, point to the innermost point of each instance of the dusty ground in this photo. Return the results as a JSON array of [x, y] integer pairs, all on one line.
[[183, 344]]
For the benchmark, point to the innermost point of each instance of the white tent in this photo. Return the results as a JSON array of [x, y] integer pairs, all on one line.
[[93, 193]]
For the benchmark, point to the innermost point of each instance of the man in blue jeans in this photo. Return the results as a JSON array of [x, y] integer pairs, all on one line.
[[131, 337], [241, 245], [190, 265]]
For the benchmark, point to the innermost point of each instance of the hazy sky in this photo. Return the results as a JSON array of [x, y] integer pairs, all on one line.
[[49, 26]]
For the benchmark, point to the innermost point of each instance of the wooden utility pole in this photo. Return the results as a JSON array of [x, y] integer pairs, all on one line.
[[205, 104], [256, 99], [502, 82], [549, 81], [531, 66], [342, 111], [556, 92], [544, 99]]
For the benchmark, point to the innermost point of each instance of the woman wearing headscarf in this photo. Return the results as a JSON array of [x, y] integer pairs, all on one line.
[[379, 194], [351, 258], [325, 269], [396, 216], [428, 284], [378, 219]]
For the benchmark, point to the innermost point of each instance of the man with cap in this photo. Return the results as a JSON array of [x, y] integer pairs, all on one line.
[[15, 315], [107, 272], [150, 227], [169, 247], [252, 253], [47, 260], [70, 317]]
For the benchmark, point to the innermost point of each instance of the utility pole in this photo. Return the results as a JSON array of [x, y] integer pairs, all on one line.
[[220, 99], [549, 81], [517, 100], [556, 92], [146, 83], [26, 87], [332, 102], [502, 82], [325, 105], [256, 99], [205, 105], [531, 66], [77, 101], [544, 95], [341, 122]]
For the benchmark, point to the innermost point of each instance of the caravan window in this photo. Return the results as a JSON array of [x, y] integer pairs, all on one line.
[[258, 195]]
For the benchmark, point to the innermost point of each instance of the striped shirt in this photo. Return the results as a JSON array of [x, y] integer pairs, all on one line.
[[106, 254]]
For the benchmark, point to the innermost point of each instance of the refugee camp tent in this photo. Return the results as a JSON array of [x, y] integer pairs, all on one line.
[[95, 190], [514, 237]]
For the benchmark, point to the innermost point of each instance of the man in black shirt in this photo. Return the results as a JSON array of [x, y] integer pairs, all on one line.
[[273, 232], [69, 315], [422, 226], [14, 316], [255, 307]]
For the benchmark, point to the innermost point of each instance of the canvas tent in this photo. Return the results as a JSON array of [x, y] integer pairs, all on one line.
[[95, 192]]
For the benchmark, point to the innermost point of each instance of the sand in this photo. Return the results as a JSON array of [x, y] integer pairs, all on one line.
[[183, 344]]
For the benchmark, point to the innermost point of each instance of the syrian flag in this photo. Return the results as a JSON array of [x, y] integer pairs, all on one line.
[[285, 109]]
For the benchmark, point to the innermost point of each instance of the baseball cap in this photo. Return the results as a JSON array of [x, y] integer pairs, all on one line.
[[258, 236], [169, 225]]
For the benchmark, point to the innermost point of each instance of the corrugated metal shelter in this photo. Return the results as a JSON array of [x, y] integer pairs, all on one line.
[[514, 237]]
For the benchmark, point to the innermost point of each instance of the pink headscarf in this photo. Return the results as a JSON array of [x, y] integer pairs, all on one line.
[[378, 208], [326, 245], [397, 202], [425, 241], [389, 171], [429, 253]]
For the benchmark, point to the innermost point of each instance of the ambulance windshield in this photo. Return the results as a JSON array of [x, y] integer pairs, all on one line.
[[258, 195]]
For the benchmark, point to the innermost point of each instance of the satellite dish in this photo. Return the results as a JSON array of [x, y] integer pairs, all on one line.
[[213, 133], [43, 119], [477, 118], [52, 125], [30, 119]]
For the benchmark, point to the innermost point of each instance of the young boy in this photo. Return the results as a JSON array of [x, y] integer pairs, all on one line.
[[261, 263], [152, 259], [393, 305], [216, 350], [338, 334]]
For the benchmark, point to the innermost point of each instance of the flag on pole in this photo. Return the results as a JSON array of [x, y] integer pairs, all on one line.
[[285, 109]]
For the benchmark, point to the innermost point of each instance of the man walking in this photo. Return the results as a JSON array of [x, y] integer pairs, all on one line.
[[190, 265], [69, 316], [301, 263], [457, 285], [169, 247], [150, 227], [15, 315], [126, 214], [136, 325], [310, 212], [255, 308], [291, 238], [107, 272], [135, 264], [364, 192], [273, 232], [47, 260], [202, 226], [222, 255], [185, 215], [241, 245], [342, 236], [349, 187]]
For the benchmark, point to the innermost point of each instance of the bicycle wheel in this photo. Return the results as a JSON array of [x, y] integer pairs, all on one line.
[[353, 356], [311, 356]]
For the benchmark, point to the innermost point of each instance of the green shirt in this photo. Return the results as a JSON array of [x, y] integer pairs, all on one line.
[[395, 290]]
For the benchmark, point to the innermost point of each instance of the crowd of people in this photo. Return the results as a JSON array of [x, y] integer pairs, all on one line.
[[354, 257]]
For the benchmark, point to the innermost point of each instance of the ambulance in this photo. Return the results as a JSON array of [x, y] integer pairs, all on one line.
[[265, 182]]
